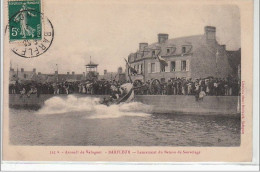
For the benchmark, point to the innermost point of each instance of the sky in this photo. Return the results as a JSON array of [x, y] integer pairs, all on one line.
[[110, 31]]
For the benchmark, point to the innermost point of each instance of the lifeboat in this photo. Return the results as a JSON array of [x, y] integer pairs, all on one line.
[[126, 96]]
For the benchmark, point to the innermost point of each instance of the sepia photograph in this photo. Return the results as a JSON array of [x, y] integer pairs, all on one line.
[[125, 74]]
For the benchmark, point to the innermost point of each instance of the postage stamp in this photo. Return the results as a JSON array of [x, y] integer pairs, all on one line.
[[30, 48], [25, 20], [30, 32]]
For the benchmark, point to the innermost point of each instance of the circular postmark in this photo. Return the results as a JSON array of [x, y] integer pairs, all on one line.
[[32, 42]]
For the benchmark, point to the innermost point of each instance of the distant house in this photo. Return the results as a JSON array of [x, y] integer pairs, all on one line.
[[119, 76], [22, 75], [197, 56], [108, 76], [56, 77]]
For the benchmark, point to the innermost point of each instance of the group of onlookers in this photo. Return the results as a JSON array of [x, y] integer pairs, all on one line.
[[177, 86], [98, 87]]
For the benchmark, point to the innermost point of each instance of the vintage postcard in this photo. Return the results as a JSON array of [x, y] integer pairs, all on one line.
[[128, 81]]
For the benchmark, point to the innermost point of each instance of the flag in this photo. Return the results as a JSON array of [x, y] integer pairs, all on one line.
[[161, 60], [132, 70]]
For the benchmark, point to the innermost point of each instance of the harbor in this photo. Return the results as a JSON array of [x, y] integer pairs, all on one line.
[[121, 128], [81, 121]]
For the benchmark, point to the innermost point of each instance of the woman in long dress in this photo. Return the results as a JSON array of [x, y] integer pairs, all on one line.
[[22, 17]]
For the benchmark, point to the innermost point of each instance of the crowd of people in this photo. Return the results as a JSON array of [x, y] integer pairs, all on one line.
[[97, 87], [177, 86], [181, 86]]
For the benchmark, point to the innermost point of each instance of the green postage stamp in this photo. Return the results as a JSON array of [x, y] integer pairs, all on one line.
[[25, 20]]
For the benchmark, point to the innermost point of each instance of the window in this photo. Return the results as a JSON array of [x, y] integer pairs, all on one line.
[[162, 68], [153, 53], [24, 75], [152, 67], [183, 49], [173, 66], [168, 50], [138, 69], [141, 68], [183, 65]]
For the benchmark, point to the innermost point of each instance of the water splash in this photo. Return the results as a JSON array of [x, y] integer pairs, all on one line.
[[92, 107]]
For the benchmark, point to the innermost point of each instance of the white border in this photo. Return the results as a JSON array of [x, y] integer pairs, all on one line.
[[117, 166], [128, 167], [1, 78]]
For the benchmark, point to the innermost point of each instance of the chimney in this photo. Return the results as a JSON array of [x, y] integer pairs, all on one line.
[[34, 70], [68, 73], [84, 74], [56, 72], [39, 73], [73, 73], [142, 46], [22, 69], [210, 32], [162, 38], [105, 71], [223, 46]]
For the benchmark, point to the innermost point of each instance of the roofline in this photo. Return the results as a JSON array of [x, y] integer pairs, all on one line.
[[91, 65], [168, 40], [177, 38]]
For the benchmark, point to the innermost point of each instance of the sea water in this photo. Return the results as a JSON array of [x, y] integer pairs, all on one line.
[[85, 122]]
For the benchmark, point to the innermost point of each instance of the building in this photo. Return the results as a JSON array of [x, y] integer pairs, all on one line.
[[23, 76], [197, 56], [119, 76], [108, 76], [234, 58], [69, 77]]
